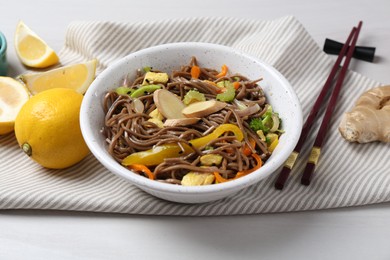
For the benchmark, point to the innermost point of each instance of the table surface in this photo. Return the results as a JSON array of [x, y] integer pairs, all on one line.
[[346, 233]]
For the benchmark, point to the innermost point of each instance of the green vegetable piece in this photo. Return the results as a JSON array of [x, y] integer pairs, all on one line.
[[261, 124], [193, 96], [123, 90], [208, 148], [280, 130], [268, 122], [221, 84], [144, 90], [256, 124], [229, 94], [224, 83], [147, 68], [268, 112]]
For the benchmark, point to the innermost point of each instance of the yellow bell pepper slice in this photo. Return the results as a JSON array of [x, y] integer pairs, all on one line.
[[157, 154], [273, 145]]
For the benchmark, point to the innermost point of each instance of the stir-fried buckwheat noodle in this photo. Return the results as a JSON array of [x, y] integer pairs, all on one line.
[[127, 129]]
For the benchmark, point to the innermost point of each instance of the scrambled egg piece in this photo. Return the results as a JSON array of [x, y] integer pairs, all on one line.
[[211, 159], [155, 77], [157, 118], [197, 179]]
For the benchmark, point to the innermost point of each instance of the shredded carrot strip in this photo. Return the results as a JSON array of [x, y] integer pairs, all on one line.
[[221, 90], [236, 85], [258, 165], [210, 82], [142, 168], [223, 72], [247, 148], [195, 72], [219, 178]]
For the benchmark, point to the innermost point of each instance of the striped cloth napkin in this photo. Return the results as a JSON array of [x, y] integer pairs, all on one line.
[[347, 174]]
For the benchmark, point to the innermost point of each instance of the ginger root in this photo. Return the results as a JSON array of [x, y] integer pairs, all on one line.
[[369, 120]]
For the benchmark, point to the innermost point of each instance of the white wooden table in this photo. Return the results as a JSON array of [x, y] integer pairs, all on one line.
[[347, 233]]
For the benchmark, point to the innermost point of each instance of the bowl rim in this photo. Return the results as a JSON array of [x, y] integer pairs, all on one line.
[[138, 180]]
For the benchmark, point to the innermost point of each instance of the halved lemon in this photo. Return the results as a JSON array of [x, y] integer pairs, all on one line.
[[31, 49], [77, 77], [13, 95]]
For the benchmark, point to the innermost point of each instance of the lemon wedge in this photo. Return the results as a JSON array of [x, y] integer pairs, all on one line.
[[31, 49], [13, 95], [76, 76]]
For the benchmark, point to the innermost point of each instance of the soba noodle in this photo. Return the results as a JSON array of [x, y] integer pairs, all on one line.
[[128, 129]]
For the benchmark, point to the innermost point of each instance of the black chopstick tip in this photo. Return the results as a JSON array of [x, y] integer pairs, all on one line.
[[305, 182], [279, 185], [308, 174], [282, 178]]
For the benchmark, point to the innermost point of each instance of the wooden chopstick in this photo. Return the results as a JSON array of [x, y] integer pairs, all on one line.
[[284, 174], [316, 150]]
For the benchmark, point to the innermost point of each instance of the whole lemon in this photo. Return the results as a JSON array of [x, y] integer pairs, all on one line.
[[48, 129]]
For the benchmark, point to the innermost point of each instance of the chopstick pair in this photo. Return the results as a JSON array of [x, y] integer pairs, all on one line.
[[316, 149]]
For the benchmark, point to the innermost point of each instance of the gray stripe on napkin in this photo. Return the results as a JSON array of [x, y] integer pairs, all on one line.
[[347, 174]]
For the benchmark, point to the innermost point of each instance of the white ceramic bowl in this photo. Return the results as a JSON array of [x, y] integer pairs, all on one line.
[[171, 56]]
